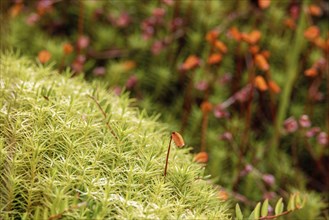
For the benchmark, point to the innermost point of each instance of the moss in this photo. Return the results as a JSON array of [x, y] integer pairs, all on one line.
[[61, 156]]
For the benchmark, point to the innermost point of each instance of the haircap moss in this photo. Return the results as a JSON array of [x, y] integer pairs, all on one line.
[[59, 158]]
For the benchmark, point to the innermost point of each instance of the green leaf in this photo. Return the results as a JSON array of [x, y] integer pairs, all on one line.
[[102, 102], [291, 203], [252, 216], [264, 210], [238, 212], [298, 201], [108, 108], [303, 202], [279, 207], [257, 211]]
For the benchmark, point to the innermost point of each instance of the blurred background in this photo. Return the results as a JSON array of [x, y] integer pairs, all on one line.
[[244, 81]]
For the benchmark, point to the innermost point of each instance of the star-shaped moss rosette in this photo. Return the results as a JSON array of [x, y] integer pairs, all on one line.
[[72, 150]]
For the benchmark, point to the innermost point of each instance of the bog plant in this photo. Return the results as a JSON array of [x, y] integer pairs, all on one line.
[[261, 210], [72, 150]]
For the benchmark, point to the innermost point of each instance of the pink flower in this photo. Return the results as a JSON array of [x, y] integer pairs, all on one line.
[[99, 71], [83, 42], [168, 2], [243, 94], [220, 112], [78, 63], [226, 78], [269, 195], [226, 136], [268, 179], [131, 82], [123, 20], [159, 12], [176, 23], [290, 125], [304, 121], [157, 47], [117, 90], [32, 19], [312, 132], [322, 138], [202, 85], [147, 29], [247, 169]]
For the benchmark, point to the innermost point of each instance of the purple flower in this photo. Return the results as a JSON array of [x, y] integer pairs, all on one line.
[[290, 125]]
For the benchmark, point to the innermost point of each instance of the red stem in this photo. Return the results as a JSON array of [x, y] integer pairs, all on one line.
[[165, 170]]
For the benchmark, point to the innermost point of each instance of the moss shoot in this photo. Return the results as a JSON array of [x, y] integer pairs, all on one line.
[[69, 149]]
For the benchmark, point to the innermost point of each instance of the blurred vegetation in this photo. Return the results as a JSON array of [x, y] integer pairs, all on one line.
[[245, 81]]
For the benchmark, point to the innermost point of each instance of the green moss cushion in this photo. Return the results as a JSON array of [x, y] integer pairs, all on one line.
[[72, 150]]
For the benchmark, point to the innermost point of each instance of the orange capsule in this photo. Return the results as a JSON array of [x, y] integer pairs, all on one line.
[[290, 23], [220, 46], [245, 37], [191, 62], [254, 37], [178, 139], [326, 46], [235, 33], [214, 58], [314, 10], [261, 62], [206, 107], [44, 56], [16, 9], [320, 42], [223, 195], [311, 72], [212, 36], [260, 83], [129, 65], [311, 33], [263, 4], [67, 48], [254, 49], [274, 87], [266, 54], [201, 157]]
